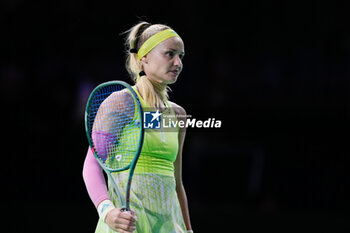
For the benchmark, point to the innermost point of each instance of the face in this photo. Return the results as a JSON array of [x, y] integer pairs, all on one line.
[[163, 63]]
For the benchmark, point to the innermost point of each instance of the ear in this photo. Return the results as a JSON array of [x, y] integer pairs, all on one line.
[[144, 59]]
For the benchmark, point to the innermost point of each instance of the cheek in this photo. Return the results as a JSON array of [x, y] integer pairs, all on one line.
[[160, 65]]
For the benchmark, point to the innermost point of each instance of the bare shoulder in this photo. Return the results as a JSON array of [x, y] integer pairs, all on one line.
[[179, 111], [181, 116]]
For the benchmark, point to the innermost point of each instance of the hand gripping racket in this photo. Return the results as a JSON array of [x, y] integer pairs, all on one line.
[[114, 128]]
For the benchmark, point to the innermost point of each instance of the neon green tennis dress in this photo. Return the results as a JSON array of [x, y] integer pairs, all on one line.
[[153, 195]]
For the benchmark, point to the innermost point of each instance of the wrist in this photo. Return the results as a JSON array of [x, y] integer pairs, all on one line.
[[104, 208]]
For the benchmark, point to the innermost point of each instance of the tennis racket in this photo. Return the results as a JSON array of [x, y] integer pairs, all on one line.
[[114, 128]]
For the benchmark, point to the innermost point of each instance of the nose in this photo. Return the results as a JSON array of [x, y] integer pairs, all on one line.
[[177, 61]]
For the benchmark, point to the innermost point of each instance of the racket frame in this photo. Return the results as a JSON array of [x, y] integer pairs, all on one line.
[[125, 202]]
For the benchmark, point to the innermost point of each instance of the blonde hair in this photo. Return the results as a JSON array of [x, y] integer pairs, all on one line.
[[152, 92]]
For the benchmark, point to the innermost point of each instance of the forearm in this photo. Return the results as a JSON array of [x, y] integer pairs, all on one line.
[[94, 180], [184, 205]]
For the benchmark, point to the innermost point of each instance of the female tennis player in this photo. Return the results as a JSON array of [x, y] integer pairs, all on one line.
[[158, 200]]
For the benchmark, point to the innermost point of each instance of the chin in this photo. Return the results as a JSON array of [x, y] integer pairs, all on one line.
[[171, 79]]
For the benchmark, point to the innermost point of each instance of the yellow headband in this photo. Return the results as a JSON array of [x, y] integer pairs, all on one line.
[[154, 40]]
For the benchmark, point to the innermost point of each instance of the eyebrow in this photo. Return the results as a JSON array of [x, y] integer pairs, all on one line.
[[175, 50]]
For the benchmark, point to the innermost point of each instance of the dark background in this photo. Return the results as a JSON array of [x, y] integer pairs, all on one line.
[[276, 73]]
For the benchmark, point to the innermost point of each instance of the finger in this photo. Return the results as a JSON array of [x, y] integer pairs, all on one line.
[[128, 216], [124, 222], [126, 228], [133, 214]]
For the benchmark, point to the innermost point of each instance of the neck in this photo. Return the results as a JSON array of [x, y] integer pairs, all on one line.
[[146, 87], [159, 88]]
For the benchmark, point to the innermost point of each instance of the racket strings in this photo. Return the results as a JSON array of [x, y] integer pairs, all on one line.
[[115, 126]]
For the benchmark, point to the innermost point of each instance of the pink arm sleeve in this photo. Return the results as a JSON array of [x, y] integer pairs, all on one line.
[[94, 180]]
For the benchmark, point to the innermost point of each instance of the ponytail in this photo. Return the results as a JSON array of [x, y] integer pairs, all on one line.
[[152, 92]]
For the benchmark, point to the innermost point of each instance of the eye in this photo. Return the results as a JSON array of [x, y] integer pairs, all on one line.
[[181, 55], [170, 54]]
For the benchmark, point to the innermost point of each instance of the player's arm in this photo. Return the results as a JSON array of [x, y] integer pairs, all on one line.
[[181, 115], [105, 134], [94, 180], [96, 186]]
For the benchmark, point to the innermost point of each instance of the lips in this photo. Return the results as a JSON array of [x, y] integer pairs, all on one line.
[[175, 72]]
